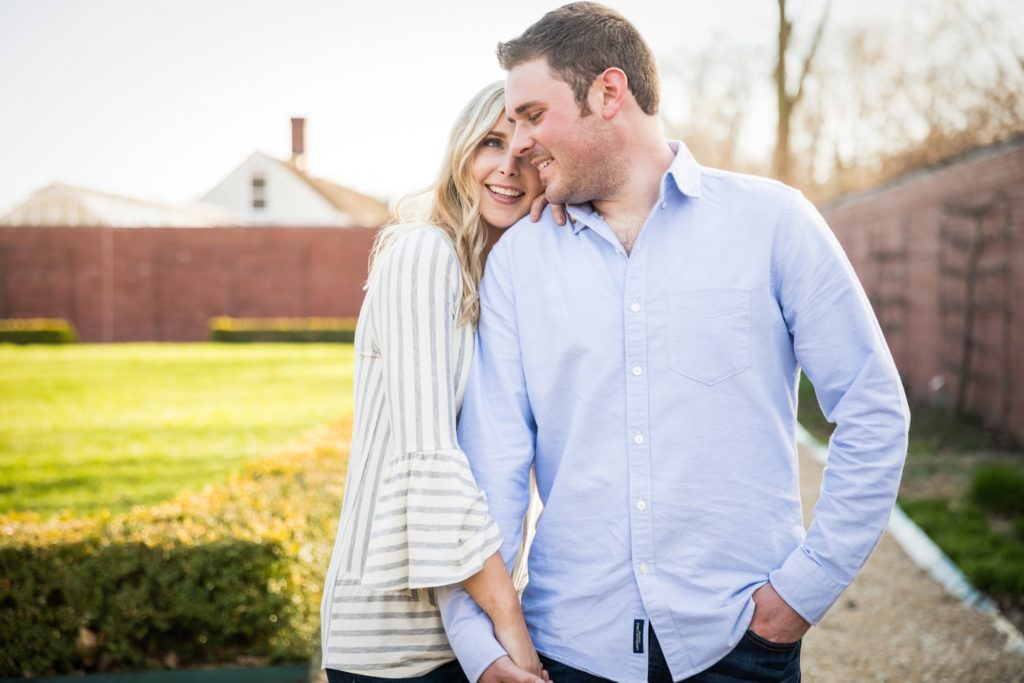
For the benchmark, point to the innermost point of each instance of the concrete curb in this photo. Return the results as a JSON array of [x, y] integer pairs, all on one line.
[[929, 557]]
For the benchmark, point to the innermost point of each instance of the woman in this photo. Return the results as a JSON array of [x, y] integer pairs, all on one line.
[[413, 517]]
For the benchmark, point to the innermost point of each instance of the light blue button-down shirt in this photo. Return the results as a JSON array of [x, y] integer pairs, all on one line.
[[656, 395]]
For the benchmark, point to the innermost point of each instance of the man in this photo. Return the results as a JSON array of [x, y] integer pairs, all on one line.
[[645, 361]]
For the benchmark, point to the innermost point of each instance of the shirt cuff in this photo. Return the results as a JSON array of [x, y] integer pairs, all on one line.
[[469, 630], [476, 652], [805, 586]]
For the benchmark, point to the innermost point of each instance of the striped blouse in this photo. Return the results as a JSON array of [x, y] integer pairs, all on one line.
[[413, 516]]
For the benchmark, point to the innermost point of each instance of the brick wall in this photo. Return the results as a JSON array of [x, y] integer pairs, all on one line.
[[164, 284], [941, 255]]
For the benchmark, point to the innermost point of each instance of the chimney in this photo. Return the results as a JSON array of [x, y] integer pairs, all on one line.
[[299, 143]]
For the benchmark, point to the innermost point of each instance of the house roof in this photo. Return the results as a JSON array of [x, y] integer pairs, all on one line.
[[63, 205], [366, 211]]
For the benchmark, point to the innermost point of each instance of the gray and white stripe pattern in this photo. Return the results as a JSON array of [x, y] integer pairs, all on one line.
[[413, 517]]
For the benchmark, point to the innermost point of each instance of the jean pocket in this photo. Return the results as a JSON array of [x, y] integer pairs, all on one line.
[[769, 645], [709, 333]]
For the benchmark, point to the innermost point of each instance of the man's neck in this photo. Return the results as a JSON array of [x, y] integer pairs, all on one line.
[[627, 210]]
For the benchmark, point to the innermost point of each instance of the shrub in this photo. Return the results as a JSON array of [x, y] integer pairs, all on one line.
[[994, 562], [203, 578], [36, 331], [97, 602], [283, 329], [998, 489]]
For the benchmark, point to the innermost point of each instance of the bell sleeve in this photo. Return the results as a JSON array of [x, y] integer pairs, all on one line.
[[430, 524]]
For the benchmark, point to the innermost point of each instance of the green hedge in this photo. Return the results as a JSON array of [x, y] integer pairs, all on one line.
[[36, 331], [216, 576], [993, 561], [998, 489], [283, 330]]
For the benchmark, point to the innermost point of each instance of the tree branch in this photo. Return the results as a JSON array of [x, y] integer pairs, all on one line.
[[810, 54]]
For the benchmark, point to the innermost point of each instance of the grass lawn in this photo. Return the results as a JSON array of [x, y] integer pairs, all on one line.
[[963, 485], [91, 427]]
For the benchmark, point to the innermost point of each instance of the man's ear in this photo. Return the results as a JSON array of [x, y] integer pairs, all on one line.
[[613, 88]]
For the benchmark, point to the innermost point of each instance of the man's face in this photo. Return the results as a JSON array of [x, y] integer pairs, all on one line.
[[574, 154]]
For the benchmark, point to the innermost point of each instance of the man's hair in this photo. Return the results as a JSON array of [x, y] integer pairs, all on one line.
[[582, 39]]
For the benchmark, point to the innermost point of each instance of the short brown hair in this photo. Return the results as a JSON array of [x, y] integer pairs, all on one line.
[[582, 39]]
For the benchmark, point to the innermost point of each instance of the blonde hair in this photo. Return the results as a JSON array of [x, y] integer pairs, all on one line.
[[453, 203]]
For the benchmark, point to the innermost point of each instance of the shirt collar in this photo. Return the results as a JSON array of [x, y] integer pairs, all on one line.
[[684, 172], [583, 215]]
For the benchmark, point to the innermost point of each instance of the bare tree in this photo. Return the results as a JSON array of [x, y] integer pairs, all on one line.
[[937, 82], [787, 97], [864, 103]]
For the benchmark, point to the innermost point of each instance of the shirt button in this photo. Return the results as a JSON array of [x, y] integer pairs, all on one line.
[[635, 307], [643, 568], [637, 371], [664, 205], [641, 504], [638, 439]]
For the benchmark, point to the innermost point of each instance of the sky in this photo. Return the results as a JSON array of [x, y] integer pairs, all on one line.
[[160, 99]]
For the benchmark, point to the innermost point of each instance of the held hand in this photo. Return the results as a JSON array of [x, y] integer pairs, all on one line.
[[774, 619], [516, 641], [492, 589], [502, 670]]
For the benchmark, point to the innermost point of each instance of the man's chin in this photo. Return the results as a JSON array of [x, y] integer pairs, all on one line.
[[559, 195]]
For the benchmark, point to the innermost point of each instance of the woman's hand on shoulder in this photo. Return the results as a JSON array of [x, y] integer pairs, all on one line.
[[558, 211]]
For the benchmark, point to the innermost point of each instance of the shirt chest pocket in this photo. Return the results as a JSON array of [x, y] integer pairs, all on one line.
[[709, 333]]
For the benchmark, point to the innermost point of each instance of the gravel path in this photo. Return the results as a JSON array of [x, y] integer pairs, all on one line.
[[894, 623]]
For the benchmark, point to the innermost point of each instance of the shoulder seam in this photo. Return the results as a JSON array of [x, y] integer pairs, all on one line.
[[779, 240]]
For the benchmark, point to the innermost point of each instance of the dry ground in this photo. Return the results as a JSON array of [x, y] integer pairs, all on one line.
[[894, 623]]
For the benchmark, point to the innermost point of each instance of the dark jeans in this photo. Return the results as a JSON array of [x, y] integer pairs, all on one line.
[[448, 673], [753, 660]]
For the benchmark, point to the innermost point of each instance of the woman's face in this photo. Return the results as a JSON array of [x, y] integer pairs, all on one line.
[[508, 184]]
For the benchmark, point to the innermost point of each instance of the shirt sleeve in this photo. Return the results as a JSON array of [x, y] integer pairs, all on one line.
[[839, 346], [498, 431], [430, 524]]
